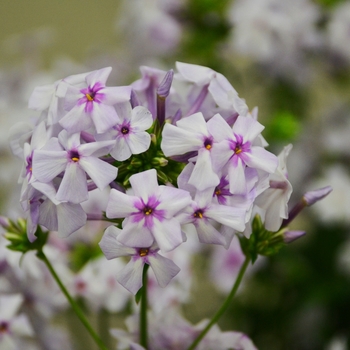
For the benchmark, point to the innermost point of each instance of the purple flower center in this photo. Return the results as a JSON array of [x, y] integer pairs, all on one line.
[[143, 252], [221, 191], [198, 214], [74, 156], [239, 146], [4, 327], [148, 211], [124, 128], [208, 143], [91, 94]]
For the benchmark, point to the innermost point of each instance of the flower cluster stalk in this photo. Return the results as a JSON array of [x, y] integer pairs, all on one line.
[[143, 310]]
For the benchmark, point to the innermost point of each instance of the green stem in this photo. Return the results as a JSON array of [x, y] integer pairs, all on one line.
[[74, 305], [143, 310], [224, 306]]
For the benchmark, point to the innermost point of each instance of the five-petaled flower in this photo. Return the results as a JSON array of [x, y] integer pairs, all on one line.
[[150, 213]]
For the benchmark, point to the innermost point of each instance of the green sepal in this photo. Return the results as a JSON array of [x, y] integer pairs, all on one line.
[[19, 242], [261, 241]]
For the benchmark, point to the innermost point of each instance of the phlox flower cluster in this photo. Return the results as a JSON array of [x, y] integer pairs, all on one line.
[[178, 150], [182, 157]]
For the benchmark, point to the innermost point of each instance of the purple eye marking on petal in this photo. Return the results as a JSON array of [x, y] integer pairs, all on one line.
[[208, 143], [222, 191], [148, 211], [74, 156], [239, 146], [4, 327], [198, 214], [124, 128], [91, 95]]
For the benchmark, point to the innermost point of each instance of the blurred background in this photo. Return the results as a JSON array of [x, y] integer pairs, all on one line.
[[291, 58]]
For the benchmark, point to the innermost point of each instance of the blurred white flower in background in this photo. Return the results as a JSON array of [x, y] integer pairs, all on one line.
[[338, 30], [274, 31], [334, 208]]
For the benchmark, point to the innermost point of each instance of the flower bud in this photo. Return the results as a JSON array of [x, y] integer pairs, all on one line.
[[312, 197], [291, 236]]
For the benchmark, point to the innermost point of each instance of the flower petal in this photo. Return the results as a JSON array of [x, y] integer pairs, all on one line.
[[104, 117], [163, 268], [71, 217], [135, 235], [141, 118], [139, 142], [259, 158], [98, 76], [101, 173], [110, 247], [178, 141], [203, 176], [167, 234], [48, 164], [73, 187], [144, 184], [130, 277], [120, 205]]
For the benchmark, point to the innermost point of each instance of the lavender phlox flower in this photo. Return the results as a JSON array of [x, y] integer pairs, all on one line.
[[131, 275], [49, 98], [129, 132], [274, 200], [205, 215], [192, 133], [77, 161], [150, 214], [235, 150], [93, 105]]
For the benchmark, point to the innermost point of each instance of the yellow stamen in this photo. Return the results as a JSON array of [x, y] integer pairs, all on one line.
[[218, 192], [144, 251], [238, 150], [89, 97], [148, 211], [198, 214], [75, 159], [208, 147]]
